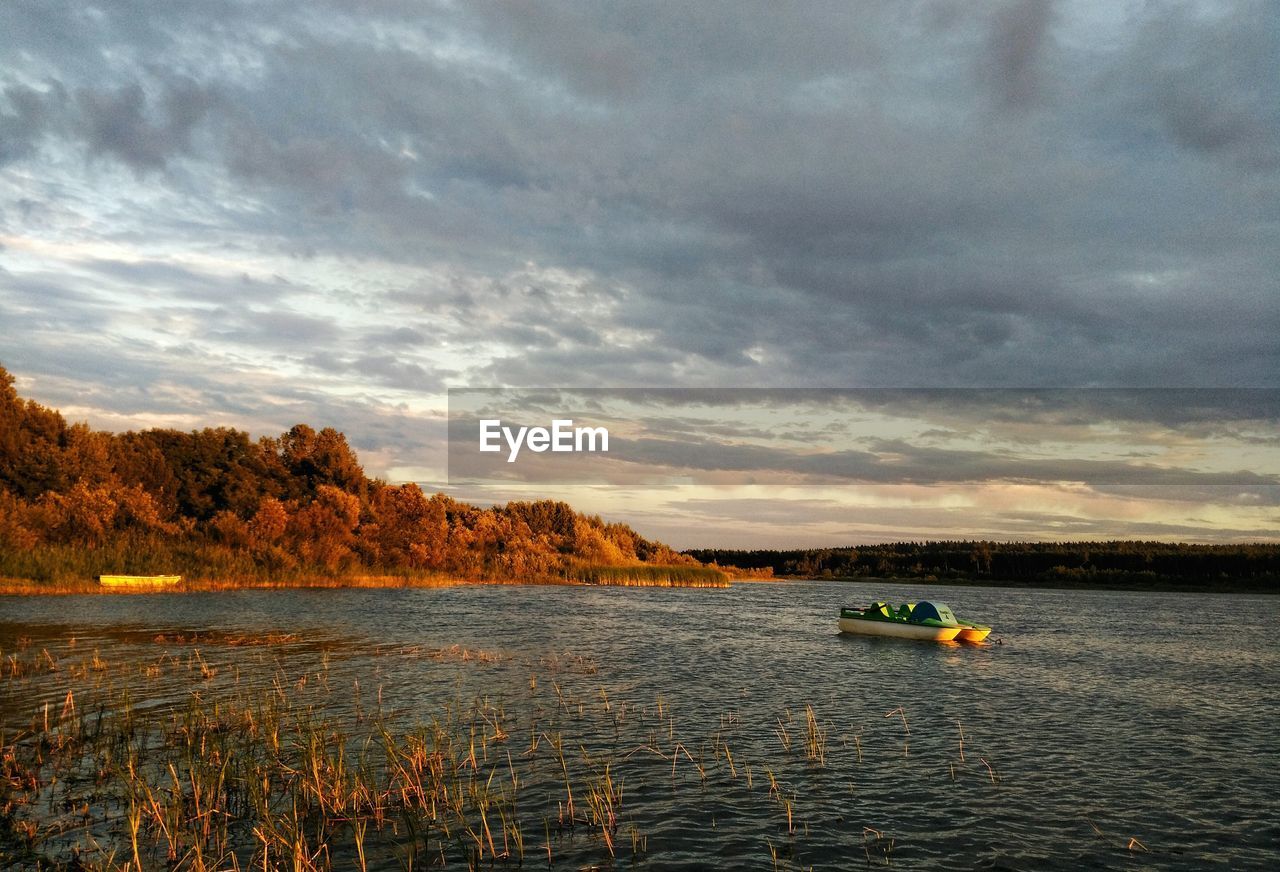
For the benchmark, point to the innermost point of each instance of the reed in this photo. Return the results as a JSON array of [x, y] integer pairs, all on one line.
[[784, 735], [906, 729], [63, 570], [815, 741], [648, 575], [991, 773], [269, 757], [876, 843]]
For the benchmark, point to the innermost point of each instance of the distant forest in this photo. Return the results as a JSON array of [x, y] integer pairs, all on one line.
[[1059, 564], [214, 503]]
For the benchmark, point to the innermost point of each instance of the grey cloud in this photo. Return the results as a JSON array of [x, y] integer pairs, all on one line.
[[392, 370], [28, 117], [398, 337], [1017, 38], [380, 369], [1201, 412], [1210, 85], [889, 194], [899, 462], [1215, 495], [179, 282], [275, 328], [120, 123]]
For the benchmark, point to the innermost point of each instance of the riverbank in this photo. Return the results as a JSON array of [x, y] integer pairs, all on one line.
[[83, 586], [632, 576]]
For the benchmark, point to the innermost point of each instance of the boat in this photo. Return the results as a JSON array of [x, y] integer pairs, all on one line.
[[138, 580], [931, 622]]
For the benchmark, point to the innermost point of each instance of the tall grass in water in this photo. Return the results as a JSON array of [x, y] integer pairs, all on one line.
[[260, 758], [652, 576]]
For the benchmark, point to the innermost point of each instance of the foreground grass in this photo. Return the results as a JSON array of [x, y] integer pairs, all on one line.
[[220, 751]]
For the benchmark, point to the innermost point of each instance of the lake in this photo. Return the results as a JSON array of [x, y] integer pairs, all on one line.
[[1094, 730]]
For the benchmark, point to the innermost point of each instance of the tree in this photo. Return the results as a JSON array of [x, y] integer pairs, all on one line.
[[268, 524], [324, 529], [313, 459]]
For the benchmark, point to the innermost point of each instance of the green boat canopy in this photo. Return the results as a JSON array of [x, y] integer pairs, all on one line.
[[940, 612]]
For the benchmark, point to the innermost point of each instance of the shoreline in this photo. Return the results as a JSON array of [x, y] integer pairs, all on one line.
[[89, 587]]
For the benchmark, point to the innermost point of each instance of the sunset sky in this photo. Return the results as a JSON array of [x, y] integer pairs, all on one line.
[[257, 214]]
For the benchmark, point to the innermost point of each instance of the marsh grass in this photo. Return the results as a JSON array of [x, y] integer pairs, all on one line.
[[652, 576], [221, 751], [815, 740], [74, 574]]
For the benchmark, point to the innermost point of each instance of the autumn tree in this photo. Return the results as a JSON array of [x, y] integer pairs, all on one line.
[[33, 443], [314, 459], [216, 498], [405, 528], [323, 531]]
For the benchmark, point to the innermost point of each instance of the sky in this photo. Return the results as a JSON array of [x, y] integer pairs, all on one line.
[[260, 213]]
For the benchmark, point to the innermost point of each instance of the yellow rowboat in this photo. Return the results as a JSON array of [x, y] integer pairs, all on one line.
[[138, 580]]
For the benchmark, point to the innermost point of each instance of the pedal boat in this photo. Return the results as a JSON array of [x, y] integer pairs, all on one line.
[[929, 622]]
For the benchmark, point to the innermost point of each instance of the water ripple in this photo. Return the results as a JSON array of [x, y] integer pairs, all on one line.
[[1102, 717]]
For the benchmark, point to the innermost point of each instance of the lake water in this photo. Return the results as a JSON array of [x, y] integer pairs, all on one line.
[[1090, 720]]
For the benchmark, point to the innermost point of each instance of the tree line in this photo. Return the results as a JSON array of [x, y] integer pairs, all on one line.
[[77, 502], [1119, 563]]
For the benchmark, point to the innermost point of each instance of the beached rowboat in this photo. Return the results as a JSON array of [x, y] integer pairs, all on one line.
[[138, 580]]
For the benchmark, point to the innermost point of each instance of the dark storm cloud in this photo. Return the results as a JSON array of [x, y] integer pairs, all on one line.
[[1017, 38], [1208, 83], [919, 194]]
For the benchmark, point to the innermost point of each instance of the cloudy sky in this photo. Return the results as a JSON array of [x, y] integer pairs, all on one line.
[[257, 213]]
